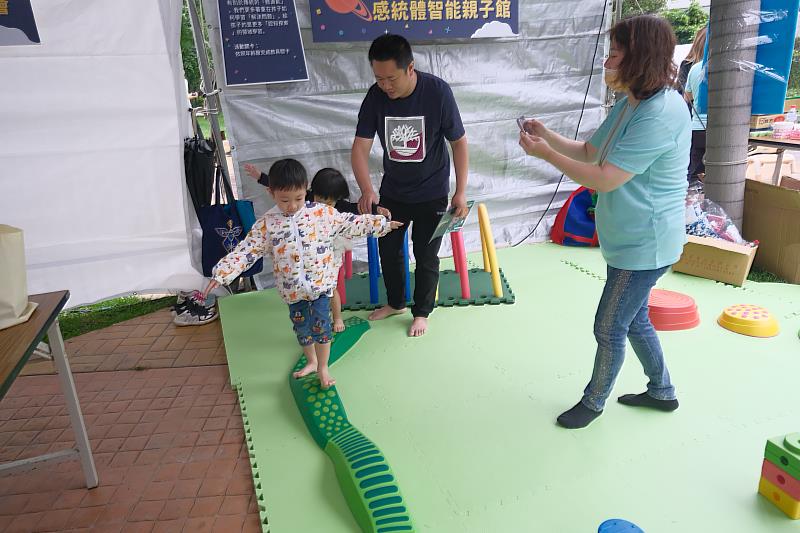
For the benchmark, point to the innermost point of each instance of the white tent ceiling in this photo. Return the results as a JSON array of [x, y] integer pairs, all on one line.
[[91, 150]]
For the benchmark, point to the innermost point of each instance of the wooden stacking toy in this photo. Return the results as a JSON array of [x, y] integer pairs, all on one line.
[[780, 474]]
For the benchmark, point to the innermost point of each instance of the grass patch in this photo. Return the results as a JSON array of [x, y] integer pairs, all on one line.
[[86, 318], [205, 126], [762, 276]]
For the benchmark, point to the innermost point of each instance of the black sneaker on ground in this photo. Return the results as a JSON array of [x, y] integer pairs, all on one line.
[[196, 314], [181, 304]]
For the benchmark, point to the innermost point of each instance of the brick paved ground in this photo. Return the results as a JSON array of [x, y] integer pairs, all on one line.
[[168, 442], [150, 341]]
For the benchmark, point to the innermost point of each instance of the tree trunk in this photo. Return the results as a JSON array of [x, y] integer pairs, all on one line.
[[732, 52]]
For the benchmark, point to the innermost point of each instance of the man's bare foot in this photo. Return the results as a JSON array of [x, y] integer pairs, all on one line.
[[385, 311], [326, 381], [418, 327], [306, 370], [338, 325]]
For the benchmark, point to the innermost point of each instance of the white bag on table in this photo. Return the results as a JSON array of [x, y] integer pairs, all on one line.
[[14, 305]]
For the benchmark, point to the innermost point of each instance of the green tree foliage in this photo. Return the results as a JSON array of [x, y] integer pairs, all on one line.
[[686, 22], [190, 67], [794, 75], [640, 7]]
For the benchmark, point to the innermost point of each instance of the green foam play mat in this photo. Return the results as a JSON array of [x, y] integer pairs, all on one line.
[[465, 415], [449, 293]]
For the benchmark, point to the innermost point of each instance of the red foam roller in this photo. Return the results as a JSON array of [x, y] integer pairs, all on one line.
[[348, 264], [340, 285], [460, 260]]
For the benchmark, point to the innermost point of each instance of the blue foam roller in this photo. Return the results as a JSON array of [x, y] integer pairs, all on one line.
[[406, 261], [374, 262]]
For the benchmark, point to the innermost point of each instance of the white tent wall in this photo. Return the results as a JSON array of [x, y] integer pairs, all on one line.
[[91, 152], [545, 72]]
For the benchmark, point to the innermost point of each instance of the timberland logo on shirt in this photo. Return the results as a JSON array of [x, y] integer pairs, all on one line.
[[405, 139]]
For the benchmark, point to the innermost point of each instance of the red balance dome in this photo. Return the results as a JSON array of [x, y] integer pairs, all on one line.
[[672, 311]]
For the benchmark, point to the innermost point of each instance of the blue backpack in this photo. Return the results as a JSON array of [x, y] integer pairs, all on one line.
[[574, 225]]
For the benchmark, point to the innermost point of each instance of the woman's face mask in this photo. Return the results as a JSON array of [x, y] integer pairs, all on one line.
[[611, 65], [610, 77]]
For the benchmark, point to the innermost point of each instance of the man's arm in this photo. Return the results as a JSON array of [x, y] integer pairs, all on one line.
[[461, 162], [359, 159]]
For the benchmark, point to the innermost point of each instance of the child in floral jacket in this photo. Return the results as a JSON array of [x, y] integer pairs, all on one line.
[[298, 236]]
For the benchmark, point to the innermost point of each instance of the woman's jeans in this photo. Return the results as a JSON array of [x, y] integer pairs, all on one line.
[[622, 313]]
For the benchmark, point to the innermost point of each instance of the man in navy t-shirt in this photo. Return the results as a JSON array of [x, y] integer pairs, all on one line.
[[413, 113]]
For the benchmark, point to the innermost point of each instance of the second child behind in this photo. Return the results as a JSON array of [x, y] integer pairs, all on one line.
[[330, 187], [298, 236]]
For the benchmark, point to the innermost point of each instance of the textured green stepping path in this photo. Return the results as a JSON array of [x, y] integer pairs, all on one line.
[[368, 483], [466, 414]]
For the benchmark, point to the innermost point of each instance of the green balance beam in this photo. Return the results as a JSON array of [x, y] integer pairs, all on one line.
[[368, 484]]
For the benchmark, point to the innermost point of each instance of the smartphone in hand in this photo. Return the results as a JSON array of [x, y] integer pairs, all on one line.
[[522, 127]]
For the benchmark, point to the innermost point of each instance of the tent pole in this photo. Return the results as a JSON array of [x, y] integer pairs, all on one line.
[[212, 101], [616, 16], [732, 47]]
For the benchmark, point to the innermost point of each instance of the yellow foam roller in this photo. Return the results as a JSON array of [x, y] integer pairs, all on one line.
[[483, 219], [748, 319]]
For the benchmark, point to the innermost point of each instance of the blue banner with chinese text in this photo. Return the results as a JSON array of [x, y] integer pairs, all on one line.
[[17, 24], [364, 20], [261, 42]]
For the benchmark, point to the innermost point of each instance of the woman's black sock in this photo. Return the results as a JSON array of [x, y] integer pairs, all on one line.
[[645, 400], [579, 416]]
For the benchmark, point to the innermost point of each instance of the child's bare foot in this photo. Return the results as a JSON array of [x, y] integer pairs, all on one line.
[[385, 311], [338, 325], [325, 379], [306, 370], [418, 327]]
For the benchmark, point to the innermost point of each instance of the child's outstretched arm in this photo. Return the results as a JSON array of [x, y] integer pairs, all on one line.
[[256, 174], [247, 252], [350, 225]]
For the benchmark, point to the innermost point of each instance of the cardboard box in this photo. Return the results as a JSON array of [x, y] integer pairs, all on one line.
[[762, 122], [772, 216], [790, 182], [716, 259], [789, 102]]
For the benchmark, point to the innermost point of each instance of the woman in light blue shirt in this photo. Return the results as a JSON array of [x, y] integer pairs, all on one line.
[[699, 121], [637, 162]]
